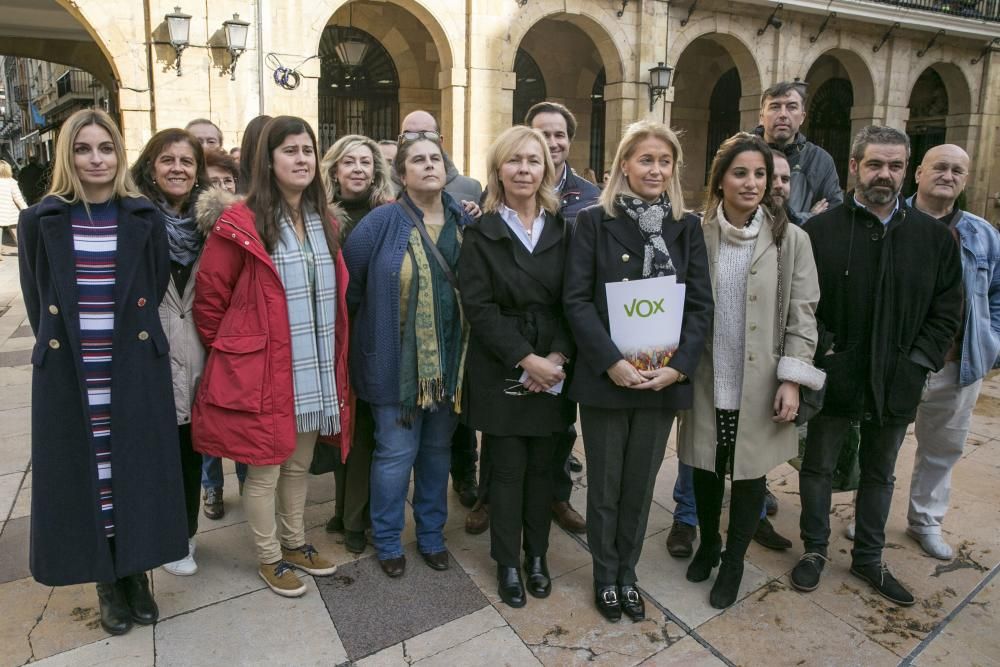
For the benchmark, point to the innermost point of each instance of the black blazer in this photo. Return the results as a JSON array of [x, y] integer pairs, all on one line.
[[608, 249], [512, 300]]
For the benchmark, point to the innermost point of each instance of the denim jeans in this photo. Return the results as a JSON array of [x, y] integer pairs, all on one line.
[[424, 448], [877, 458], [211, 472], [686, 508]]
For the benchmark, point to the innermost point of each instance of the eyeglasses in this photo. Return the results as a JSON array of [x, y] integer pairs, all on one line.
[[423, 134], [224, 182], [516, 389]]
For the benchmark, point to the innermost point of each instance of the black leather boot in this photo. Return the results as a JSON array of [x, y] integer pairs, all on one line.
[[727, 583], [706, 558], [140, 598], [115, 616], [537, 570], [509, 586]]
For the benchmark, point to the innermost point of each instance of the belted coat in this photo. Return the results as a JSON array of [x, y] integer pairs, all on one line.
[[68, 543]]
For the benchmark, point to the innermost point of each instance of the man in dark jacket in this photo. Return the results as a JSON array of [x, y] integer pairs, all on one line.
[[890, 283], [462, 188], [815, 186]]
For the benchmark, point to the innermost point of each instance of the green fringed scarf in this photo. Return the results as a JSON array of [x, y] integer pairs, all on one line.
[[435, 337]]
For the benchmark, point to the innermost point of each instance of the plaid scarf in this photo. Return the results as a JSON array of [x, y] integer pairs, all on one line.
[[656, 261], [311, 316]]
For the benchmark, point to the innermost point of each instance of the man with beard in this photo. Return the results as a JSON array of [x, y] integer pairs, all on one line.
[[890, 284]]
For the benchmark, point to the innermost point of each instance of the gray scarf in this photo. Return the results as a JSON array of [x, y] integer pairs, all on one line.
[[183, 236]]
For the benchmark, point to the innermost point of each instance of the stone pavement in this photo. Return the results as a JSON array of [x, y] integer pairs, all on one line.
[[224, 615]]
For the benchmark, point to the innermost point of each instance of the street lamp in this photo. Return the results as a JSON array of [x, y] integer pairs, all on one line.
[[179, 29], [236, 41], [351, 51], [659, 81]]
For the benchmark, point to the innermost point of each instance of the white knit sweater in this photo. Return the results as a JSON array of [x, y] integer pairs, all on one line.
[[729, 338]]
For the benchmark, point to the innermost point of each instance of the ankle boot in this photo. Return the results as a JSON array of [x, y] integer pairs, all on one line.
[[115, 616], [706, 558], [140, 599], [537, 571], [510, 588], [727, 583]]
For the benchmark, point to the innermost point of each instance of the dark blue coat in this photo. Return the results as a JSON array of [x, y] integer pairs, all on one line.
[[577, 194], [68, 545]]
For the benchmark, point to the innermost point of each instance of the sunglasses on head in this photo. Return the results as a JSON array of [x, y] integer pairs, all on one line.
[[424, 134]]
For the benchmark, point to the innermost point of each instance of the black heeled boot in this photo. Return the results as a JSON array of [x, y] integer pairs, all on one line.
[[140, 599], [708, 492], [537, 570], [510, 588], [116, 619], [747, 500], [727, 583], [706, 558]]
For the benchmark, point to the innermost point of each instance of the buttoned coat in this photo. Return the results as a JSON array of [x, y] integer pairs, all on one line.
[[761, 444], [512, 299], [68, 544]]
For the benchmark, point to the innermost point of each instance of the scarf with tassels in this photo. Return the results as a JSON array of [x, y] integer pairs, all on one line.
[[656, 260], [435, 336]]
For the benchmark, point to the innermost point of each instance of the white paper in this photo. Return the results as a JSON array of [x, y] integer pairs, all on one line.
[[555, 389], [645, 318]]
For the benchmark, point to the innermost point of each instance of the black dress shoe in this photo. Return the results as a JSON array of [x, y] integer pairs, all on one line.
[[354, 541], [606, 599], [632, 603], [393, 567], [510, 588], [140, 598], [436, 561], [537, 571], [766, 536], [116, 619]]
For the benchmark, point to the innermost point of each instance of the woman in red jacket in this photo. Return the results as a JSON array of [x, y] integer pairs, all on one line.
[[269, 307]]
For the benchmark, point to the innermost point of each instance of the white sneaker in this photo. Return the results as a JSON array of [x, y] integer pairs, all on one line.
[[849, 531], [932, 544], [184, 567]]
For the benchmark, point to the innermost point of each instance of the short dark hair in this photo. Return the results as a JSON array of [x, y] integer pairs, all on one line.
[[553, 107], [142, 168], [222, 160], [775, 153], [782, 88], [878, 134], [387, 142]]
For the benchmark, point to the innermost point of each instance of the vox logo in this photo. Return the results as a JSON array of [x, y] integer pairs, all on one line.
[[643, 307]]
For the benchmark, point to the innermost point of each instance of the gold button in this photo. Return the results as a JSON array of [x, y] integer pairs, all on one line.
[[753, 327], [625, 257], [54, 344], [751, 357], [54, 309], [753, 272], [753, 297], [143, 335]]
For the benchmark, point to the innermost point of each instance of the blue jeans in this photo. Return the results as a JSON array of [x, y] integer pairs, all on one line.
[[211, 472], [686, 509], [425, 448]]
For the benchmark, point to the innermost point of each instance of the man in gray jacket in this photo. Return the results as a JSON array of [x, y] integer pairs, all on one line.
[[815, 186], [462, 188]]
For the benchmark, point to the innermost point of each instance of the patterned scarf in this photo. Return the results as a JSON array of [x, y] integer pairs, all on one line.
[[183, 236], [311, 316], [656, 258], [435, 337]]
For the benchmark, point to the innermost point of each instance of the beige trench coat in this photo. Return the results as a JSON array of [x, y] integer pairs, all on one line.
[[761, 444]]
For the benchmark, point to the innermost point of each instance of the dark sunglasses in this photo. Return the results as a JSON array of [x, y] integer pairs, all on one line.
[[413, 136]]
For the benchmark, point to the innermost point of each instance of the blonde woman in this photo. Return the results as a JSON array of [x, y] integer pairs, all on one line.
[[357, 179], [511, 275], [639, 230], [746, 389], [11, 200], [94, 268]]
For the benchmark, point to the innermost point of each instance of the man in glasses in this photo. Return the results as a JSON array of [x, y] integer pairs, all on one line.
[[462, 188]]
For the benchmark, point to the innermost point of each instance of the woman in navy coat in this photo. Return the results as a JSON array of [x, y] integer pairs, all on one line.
[[109, 501]]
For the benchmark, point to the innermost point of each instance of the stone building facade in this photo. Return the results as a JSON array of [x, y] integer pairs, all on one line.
[[924, 66]]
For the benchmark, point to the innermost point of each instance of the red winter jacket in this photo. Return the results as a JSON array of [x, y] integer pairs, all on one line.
[[244, 408]]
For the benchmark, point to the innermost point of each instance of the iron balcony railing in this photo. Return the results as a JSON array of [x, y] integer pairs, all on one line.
[[983, 10], [75, 82]]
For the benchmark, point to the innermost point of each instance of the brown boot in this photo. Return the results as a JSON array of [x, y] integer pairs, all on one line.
[[478, 520], [567, 517], [680, 540]]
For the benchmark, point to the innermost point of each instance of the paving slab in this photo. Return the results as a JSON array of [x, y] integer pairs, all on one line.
[[971, 637], [499, 647], [134, 649], [22, 602], [10, 484], [439, 639], [14, 542], [15, 452], [71, 619], [685, 653]]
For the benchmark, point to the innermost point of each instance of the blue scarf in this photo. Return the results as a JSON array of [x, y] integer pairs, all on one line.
[[183, 236]]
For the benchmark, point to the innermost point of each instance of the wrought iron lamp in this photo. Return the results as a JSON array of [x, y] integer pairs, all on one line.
[[659, 82], [179, 29], [236, 41]]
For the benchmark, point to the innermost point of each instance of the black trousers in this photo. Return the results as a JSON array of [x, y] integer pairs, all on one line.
[[747, 497], [520, 495], [463, 453], [191, 476], [624, 450], [877, 460], [352, 478]]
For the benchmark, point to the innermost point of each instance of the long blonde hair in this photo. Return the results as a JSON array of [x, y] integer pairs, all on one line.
[[505, 146], [66, 183], [382, 189], [5, 170], [618, 183]]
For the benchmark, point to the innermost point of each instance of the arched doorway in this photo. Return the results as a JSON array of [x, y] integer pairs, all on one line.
[[928, 122], [723, 114], [530, 85], [828, 123], [356, 98]]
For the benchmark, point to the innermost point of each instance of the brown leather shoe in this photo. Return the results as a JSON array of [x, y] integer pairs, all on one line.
[[478, 520], [436, 561], [680, 539], [568, 518]]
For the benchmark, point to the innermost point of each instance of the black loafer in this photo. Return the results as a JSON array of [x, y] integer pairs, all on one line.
[[537, 571], [510, 588], [140, 599], [116, 619], [436, 561], [606, 599], [393, 567], [632, 603]]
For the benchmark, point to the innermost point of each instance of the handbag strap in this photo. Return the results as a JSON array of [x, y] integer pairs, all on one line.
[[779, 324], [428, 243]]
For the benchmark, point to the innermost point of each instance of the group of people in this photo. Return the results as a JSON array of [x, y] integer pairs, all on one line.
[[370, 310]]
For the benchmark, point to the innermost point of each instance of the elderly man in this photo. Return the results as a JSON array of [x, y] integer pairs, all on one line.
[[207, 133], [945, 410], [462, 188], [890, 281]]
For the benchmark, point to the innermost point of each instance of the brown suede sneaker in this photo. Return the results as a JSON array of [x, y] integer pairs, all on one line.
[[307, 559], [280, 578], [478, 520]]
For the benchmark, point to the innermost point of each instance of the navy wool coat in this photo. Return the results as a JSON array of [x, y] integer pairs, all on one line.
[[68, 545]]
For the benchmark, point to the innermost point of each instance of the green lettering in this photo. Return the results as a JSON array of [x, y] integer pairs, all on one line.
[[630, 311]]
